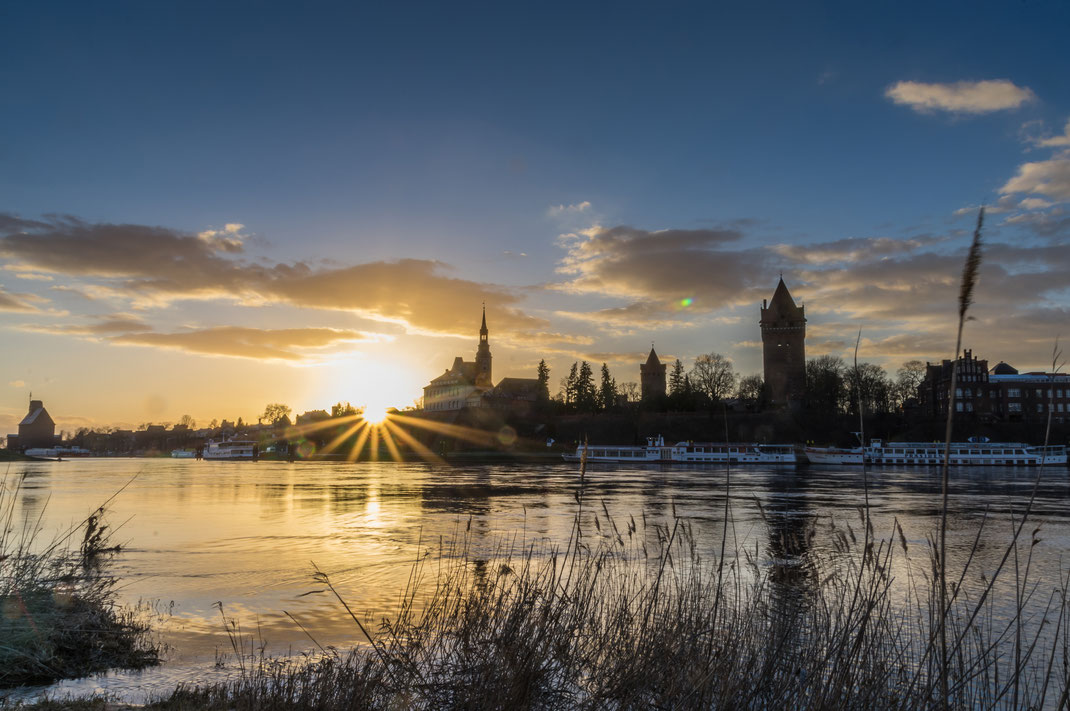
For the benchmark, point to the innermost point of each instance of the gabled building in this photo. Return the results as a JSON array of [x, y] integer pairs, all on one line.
[[783, 327], [465, 382], [652, 377], [37, 429]]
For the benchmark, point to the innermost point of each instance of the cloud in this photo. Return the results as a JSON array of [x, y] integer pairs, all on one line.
[[1062, 141], [101, 326], [17, 302], [1047, 177], [556, 210], [851, 249], [658, 269], [262, 344], [968, 97], [155, 265], [17, 383]]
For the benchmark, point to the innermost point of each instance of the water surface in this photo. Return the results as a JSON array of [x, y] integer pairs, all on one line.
[[246, 535]]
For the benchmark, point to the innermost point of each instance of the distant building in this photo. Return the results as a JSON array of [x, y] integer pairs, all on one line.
[[783, 327], [652, 377], [1001, 394], [972, 386], [37, 429], [465, 382], [517, 395]]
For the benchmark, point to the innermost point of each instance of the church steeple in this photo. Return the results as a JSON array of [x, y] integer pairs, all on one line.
[[483, 359]]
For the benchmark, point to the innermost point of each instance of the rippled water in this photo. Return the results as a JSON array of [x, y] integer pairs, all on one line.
[[246, 535]]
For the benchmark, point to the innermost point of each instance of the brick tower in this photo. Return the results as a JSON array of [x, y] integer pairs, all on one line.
[[652, 376], [784, 348]]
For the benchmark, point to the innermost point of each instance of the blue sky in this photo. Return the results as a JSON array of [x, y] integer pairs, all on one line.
[[478, 138]]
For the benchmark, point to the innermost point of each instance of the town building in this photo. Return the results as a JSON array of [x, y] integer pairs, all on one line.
[[652, 377], [1001, 394], [465, 382], [783, 327], [37, 429]]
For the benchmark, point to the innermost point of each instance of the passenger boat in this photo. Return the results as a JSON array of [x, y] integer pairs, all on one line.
[[183, 453], [234, 449], [932, 453], [57, 452], [657, 452]]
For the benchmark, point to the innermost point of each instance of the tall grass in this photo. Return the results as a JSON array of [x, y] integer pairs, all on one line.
[[58, 616]]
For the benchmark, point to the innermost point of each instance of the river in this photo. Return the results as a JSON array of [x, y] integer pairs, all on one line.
[[246, 535]]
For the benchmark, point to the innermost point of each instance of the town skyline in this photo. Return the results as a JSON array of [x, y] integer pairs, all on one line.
[[251, 213]]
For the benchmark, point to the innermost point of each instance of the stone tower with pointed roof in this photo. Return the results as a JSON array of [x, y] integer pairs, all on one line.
[[483, 379], [652, 376], [784, 348]]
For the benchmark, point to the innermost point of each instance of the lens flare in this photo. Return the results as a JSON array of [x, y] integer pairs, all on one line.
[[686, 301], [375, 414]]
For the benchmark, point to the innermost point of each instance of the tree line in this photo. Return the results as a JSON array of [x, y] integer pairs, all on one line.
[[832, 387]]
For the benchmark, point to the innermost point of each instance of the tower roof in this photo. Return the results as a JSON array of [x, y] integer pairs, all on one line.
[[652, 359], [782, 306], [483, 327]]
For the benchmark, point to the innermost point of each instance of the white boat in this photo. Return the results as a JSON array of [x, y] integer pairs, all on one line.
[[235, 449], [932, 453], [657, 452], [183, 454], [57, 452]]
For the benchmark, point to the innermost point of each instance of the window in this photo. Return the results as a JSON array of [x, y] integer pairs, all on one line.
[[1058, 393], [969, 393], [1040, 407], [958, 392], [992, 394], [958, 406], [1014, 407], [969, 407], [1014, 392], [1060, 407], [1040, 393]]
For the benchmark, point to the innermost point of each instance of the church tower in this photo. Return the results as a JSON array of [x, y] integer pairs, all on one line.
[[784, 348], [652, 376], [483, 378]]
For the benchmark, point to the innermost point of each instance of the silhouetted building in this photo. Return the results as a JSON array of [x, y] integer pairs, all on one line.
[[783, 327], [37, 429], [652, 377], [465, 382], [971, 388], [1000, 395]]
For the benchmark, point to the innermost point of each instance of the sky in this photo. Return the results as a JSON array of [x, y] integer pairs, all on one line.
[[207, 207]]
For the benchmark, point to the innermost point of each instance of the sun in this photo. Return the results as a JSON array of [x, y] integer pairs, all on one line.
[[375, 414]]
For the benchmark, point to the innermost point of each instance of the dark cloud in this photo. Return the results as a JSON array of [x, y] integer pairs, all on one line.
[[264, 344], [158, 264], [657, 269]]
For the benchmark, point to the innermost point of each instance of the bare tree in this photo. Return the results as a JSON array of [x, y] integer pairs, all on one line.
[[630, 390], [907, 379], [275, 411], [752, 391], [187, 421], [713, 375]]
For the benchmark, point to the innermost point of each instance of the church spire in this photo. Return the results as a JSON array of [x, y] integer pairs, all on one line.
[[483, 328]]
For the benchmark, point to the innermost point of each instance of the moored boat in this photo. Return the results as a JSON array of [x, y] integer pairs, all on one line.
[[183, 454], [657, 452], [231, 449], [932, 453]]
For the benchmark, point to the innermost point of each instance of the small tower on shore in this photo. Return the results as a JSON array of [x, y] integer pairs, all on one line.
[[783, 327], [652, 376]]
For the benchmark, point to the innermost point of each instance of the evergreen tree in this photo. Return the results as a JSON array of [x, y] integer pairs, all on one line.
[[543, 375], [676, 378], [586, 395], [569, 385], [608, 393]]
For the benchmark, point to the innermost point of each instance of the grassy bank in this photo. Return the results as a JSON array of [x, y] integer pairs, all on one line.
[[58, 616]]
